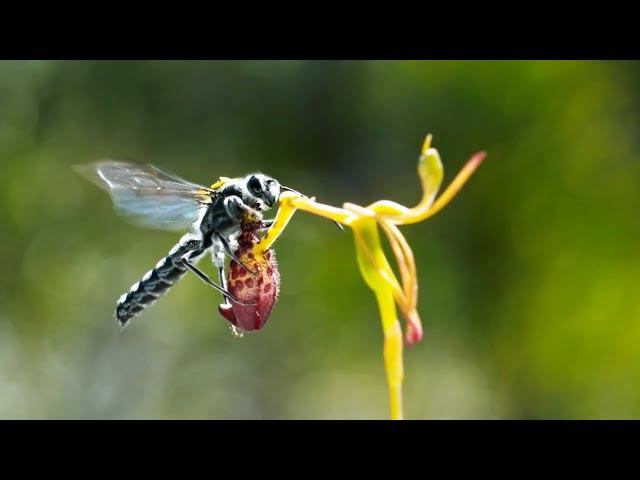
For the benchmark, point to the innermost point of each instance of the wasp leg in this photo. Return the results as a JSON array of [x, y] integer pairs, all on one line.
[[203, 276], [249, 210], [266, 225], [227, 249], [223, 281], [218, 262], [234, 207], [264, 229]]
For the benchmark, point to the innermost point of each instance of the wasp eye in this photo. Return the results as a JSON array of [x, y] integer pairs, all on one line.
[[254, 185]]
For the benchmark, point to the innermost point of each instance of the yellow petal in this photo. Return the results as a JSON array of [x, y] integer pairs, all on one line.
[[430, 172], [392, 351], [309, 205], [372, 261], [285, 212], [455, 186], [368, 246], [388, 208]]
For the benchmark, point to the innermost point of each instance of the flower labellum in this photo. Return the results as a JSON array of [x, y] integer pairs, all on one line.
[[259, 288]]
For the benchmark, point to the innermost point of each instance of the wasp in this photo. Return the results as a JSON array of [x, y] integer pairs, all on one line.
[[214, 219]]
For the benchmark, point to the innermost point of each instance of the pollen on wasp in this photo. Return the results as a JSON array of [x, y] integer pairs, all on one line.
[[258, 289]]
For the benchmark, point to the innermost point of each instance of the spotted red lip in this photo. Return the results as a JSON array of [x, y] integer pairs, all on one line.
[[260, 291]]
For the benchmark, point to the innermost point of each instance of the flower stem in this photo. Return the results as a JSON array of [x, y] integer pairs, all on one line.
[[392, 351]]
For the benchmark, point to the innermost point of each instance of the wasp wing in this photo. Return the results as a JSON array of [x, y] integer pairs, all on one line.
[[148, 196]]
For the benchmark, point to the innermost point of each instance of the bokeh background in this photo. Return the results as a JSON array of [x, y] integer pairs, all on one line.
[[528, 279]]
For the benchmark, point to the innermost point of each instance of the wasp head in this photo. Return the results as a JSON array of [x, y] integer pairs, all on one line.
[[264, 190]]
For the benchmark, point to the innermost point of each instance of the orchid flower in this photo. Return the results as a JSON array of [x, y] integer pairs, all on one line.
[[366, 223]]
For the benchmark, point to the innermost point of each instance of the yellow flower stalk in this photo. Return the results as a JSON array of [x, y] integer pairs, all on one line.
[[366, 223]]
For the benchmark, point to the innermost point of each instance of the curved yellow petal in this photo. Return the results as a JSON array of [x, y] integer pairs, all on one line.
[[310, 205], [389, 208], [285, 212], [455, 186], [368, 245], [372, 261]]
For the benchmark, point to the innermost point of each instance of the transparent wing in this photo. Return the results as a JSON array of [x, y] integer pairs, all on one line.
[[148, 196]]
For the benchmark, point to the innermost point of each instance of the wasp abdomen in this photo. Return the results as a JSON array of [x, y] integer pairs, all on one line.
[[154, 284]]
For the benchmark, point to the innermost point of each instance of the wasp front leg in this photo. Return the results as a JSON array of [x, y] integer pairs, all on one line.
[[266, 225], [237, 209]]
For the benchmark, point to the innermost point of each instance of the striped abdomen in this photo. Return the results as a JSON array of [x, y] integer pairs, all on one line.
[[154, 284]]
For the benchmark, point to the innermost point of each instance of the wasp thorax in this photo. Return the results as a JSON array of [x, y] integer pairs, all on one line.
[[258, 288]]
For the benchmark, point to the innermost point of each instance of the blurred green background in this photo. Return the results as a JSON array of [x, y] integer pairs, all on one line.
[[528, 279]]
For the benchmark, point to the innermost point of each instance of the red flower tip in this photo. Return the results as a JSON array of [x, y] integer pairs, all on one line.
[[226, 310], [414, 332]]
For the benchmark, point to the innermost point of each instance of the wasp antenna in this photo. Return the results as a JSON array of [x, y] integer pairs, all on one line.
[[289, 189]]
